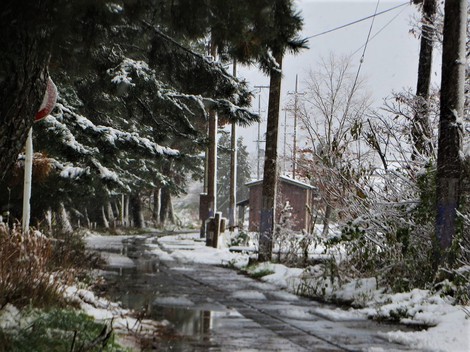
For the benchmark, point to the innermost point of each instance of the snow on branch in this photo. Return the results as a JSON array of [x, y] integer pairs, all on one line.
[[68, 139], [113, 137], [73, 172], [122, 73], [106, 174]]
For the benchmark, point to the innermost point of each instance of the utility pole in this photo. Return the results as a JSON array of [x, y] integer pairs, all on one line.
[[233, 169], [212, 157], [296, 109], [209, 201], [284, 156], [258, 140]]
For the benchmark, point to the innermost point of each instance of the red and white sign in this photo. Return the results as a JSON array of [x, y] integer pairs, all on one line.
[[48, 102]]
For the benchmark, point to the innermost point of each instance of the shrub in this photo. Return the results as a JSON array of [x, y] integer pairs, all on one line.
[[33, 267], [25, 278], [57, 330]]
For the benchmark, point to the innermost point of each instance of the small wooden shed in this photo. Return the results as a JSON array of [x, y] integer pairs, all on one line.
[[298, 195]]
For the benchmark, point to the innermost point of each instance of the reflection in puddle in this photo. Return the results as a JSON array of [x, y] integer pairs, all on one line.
[[149, 289]]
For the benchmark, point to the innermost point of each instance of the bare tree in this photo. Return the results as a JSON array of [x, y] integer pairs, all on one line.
[[332, 114]]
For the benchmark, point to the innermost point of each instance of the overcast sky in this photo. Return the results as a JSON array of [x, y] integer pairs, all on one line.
[[390, 62]]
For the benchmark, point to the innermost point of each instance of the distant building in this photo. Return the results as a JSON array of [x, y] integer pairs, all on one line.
[[294, 196]]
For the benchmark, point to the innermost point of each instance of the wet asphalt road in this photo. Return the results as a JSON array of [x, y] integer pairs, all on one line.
[[212, 308]]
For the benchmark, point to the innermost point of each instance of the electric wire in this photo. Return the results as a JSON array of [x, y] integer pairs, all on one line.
[[361, 61], [379, 31], [357, 21]]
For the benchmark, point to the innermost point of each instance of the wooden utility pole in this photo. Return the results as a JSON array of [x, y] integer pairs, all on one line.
[[258, 140], [294, 147], [232, 216], [296, 111], [212, 153], [449, 159], [268, 205]]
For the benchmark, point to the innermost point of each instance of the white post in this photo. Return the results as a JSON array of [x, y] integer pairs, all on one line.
[[28, 171]]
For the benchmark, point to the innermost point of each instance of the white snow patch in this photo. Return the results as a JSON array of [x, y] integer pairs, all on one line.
[[451, 335], [285, 296], [296, 313], [249, 294], [118, 260], [338, 314]]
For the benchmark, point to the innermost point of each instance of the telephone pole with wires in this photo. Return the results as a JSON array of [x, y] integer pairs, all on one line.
[[296, 95], [258, 140]]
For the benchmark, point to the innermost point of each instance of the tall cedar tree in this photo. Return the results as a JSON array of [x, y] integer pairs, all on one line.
[[421, 129], [279, 35], [449, 159]]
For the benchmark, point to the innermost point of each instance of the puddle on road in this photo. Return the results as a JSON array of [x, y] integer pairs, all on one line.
[[148, 288]]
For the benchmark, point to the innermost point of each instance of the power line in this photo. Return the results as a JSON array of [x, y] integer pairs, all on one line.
[[357, 21], [379, 31], [362, 60]]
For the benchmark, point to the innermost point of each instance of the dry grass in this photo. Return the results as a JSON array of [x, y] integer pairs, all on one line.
[[33, 268], [24, 275]]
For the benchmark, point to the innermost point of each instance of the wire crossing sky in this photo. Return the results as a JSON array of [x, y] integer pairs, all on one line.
[[357, 21]]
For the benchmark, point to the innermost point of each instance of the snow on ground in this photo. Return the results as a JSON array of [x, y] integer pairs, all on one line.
[[95, 241], [128, 328], [449, 325], [248, 294], [189, 248]]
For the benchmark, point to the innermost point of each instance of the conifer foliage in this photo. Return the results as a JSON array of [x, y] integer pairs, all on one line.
[[131, 97]]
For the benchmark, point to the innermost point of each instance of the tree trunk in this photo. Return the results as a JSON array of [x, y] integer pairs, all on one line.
[[421, 129], [156, 205], [268, 206], [449, 160], [126, 210], [87, 219], [103, 218], [326, 219], [109, 210], [166, 208], [25, 43], [136, 208]]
